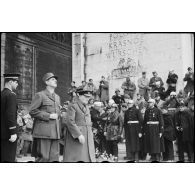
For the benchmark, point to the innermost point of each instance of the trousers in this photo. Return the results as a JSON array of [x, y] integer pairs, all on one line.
[[8, 151], [46, 150]]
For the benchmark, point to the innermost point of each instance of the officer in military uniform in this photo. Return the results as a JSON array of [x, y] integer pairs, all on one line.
[[45, 109], [79, 142], [153, 130], [9, 118], [133, 130]]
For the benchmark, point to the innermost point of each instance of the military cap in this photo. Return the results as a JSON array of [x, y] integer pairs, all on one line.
[[48, 76], [81, 91], [13, 76]]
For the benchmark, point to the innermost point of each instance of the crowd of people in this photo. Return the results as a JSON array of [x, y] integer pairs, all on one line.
[[154, 121]]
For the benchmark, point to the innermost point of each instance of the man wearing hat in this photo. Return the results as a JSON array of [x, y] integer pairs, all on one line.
[[189, 77], [155, 82], [143, 84], [118, 98], [133, 131], [184, 132], [45, 109], [79, 143], [9, 118], [153, 130]]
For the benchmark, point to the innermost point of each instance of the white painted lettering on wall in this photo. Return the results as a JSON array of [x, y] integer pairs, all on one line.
[[125, 50]]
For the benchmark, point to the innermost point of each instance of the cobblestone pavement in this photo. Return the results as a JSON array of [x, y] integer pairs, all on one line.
[[122, 154]]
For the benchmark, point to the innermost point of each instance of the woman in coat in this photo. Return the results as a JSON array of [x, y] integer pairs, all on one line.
[[113, 131], [79, 143]]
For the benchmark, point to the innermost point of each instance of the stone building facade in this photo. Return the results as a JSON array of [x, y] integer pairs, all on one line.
[[34, 54], [117, 55]]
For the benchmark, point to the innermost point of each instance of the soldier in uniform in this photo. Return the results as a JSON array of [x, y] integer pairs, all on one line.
[[169, 135], [184, 132], [79, 143], [45, 109], [9, 118], [153, 130], [133, 130]]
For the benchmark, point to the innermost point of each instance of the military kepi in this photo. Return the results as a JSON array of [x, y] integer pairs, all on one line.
[[13, 76], [48, 76], [84, 92]]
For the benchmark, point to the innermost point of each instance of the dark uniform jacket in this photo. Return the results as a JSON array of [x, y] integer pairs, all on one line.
[[132, 130], [153, 143], [184, 120], [41, 107], [172, 79], [8, 114], [95, 118], [169, 130], [133, 114], [118, 99]]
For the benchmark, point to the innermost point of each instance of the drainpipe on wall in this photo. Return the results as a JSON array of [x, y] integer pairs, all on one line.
[[3, 44], [85, 55]]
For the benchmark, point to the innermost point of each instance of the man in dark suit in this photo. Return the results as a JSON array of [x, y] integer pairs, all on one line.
[[9, 118], [45, 109]]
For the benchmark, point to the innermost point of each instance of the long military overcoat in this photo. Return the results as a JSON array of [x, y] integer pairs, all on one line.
[[133, 129], [78, 123], [152, 141]]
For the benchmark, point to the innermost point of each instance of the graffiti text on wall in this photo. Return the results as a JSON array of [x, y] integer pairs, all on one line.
[[123, 45]]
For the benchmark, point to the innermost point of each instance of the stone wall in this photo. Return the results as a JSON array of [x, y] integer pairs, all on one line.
[[116, 55]]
